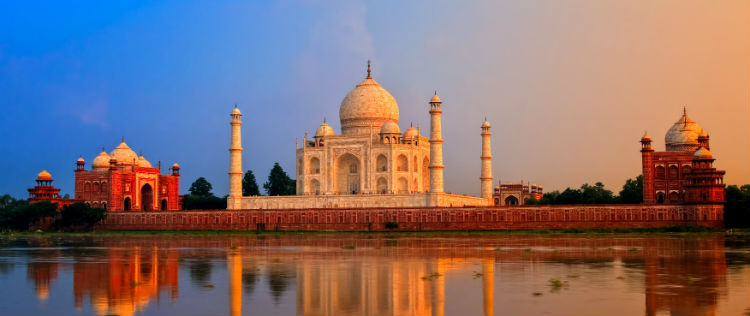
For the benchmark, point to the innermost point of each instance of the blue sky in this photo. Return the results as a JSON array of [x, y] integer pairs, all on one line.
[[569, 86]]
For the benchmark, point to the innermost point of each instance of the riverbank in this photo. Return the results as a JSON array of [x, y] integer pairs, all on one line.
[[671, 230]]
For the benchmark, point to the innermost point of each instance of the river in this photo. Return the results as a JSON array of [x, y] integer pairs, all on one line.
[[374, 274]]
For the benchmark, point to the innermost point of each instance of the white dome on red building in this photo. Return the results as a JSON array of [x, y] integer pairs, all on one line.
[[683, 135]]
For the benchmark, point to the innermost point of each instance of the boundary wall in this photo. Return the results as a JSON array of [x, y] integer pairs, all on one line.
[[424, 218]]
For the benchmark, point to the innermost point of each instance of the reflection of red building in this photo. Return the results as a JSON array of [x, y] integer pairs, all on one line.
[[125, 181], [44, 191], [667, 175], [127, 281]]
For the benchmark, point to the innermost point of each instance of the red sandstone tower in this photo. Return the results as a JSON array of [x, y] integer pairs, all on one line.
[[647, 159], [705, 183]]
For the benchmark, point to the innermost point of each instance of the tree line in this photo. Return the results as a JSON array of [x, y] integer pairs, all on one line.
[[201, 197], [19, 215], [631, 193]]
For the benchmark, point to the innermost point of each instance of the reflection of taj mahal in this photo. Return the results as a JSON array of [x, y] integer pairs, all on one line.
[[371, 163]]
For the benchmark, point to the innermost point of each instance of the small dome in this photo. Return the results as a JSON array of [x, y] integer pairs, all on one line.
[[683, 135], [324, 130], [390, 127], [236, 111], [124, 154], [486, 124], [435, 98], [411, 132], [44, 176], [80, 159], [142, 162], [645, 136], [175, 166], [101, 161], [702, 153]]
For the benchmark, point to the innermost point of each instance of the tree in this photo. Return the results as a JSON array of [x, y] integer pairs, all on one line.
[[279, 182], [201, 187], [249, 185], [632, 191], [80, 216], [737, 207], [22, 216]]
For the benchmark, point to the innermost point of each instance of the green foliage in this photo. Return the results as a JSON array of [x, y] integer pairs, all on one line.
[[249, 185], [279, 182], [203, 202], [18, 215], [201, 197], [737, 207], [594, 194], [201, 187], [80, 216], [632, 191]]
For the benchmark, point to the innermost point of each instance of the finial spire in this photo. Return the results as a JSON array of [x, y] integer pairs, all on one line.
[[123, 139], [324, 119], [435, 92], [235, 105], [369, 76], [684, 110]]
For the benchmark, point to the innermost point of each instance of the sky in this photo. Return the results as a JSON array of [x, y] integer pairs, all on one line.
[[569, 86]]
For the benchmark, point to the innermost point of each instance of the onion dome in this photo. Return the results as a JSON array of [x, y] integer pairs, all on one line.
[[101, 161], [368, 104], [702, 153], [435, 98], [175, 166], [142, 162], [44, 176], [411, 133], [486, 124], [236, 111], [324, 130], [80, 160], [390, 127], [124, 154], [683, 135]]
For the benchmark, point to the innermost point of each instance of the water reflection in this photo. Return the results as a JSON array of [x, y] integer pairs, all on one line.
[[345, 275]]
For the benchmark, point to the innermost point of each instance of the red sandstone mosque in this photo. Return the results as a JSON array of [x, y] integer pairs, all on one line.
[[684, 172], [124, 181]]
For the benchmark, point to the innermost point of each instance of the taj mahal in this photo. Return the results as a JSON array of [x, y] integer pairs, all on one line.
[[371, 163]]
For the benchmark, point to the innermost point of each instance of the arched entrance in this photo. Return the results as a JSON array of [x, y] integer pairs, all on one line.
[[126, 204], [347, 174], [314, 187], [511, 200], [147, 197], [382, 186], [402, 186], [164, 204]]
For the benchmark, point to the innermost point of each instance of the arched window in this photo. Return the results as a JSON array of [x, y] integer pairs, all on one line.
[[314, 165], [126, 204], [402, 164], [382, 186], [660, 198], [673, 172], [660, 172], [381, 165], [164, 204], [511, 200], [674, 197], [315, 187], [402, 186]]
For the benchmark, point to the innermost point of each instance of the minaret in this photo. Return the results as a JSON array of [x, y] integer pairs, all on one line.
[[647, 163], [235, 162], [436, 146], [486, 173]]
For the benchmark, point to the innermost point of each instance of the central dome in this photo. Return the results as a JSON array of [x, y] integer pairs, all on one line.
[[683, 135], [368, 105]]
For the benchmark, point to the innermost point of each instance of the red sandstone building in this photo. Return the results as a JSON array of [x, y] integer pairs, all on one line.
[[124, 181], [684, 172], [44, 191], [509, 193]]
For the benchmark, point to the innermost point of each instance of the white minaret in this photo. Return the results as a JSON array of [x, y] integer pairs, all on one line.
[[235, 162], [436, 146], [486, 173]]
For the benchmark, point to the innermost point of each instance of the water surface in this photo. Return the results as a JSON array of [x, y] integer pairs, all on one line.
[[374, 274]]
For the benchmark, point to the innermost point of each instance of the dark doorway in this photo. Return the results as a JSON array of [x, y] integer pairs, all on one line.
[[164, 204], [126, 204], [147, 197], [511, 200], [660, 198]]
